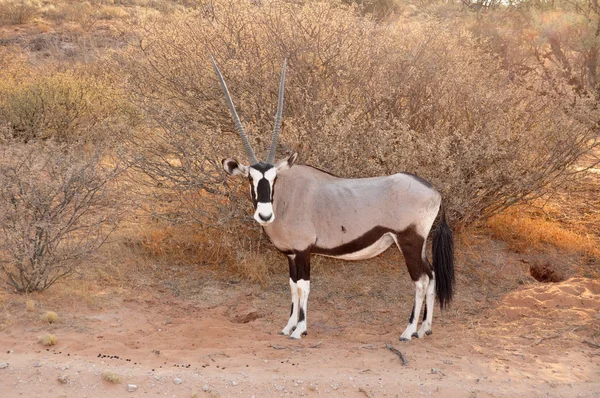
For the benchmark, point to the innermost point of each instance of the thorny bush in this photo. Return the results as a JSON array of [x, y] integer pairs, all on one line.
[[362, 98], [56, 208]]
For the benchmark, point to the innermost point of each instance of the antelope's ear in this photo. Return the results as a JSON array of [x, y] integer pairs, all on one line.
[[285, 164], [232, 167]]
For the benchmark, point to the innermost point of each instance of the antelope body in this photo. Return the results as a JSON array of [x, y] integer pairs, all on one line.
[[310, 211]]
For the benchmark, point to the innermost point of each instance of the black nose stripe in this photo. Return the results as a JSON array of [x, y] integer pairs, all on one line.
[[263, 191]]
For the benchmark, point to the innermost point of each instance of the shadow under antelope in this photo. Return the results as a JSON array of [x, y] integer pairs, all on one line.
[[310, 211]]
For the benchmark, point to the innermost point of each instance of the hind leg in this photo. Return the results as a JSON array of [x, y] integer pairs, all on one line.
[[412, 246], [425, 328], [420, 292]]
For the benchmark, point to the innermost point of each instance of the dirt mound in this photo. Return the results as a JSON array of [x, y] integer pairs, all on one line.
[[576, 299]]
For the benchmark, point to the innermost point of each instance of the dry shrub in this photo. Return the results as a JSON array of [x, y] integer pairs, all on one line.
[[47, 339], [18, 12], [111, 377], [49, 316], [57, 206], [66, 106], [525, 229], [362, 99]]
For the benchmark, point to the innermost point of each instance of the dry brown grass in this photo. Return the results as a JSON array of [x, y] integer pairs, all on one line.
[[524, 228], [208, 249], [47, 339]]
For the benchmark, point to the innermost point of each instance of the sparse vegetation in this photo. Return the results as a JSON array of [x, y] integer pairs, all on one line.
[[106, 103], [373, 87], [111, 377], [47, 340], [18, 11], [65, 106], [407, 95], [49, 316], [55, 210]]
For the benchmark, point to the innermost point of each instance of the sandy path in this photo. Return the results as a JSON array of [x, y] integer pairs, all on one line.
[[233, 349]]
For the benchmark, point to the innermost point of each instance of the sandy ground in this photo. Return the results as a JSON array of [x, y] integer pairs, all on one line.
[[221, 340]]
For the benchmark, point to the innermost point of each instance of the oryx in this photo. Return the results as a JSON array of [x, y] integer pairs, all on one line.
[[304, 210]]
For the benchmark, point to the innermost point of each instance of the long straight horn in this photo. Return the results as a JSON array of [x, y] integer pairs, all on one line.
[[236, 118], [275, 138]]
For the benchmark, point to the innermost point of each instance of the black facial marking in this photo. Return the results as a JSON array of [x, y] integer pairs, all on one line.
[[343, 229], [264, 191], [262, 167], [301, 316], [254, 199]]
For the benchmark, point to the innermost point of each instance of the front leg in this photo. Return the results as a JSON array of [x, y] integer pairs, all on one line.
[[302, 262], [293, 321]]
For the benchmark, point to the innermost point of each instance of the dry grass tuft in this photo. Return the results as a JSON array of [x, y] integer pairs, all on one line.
[[30, 305], [220, 251], [47, 339], [50, 317], [522, 229], [111, 377]]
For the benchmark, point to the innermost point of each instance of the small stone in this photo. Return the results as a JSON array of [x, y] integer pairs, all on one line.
[[131, 387], [205, 388], [234, 383], [3, 365], [436, 370], [63, 379], [177, 380], [335, 386], [37, 364]]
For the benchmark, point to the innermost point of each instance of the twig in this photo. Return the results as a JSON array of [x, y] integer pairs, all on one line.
[[316, 345], [361, 389], [278, 347], [217, 353], [545, 338], [592, 344], [368, 346], [397, 352]]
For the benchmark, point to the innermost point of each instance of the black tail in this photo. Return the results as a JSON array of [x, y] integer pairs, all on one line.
[[443, 260]]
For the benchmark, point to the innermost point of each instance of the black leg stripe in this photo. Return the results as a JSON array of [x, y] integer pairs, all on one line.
[[425, 313], [412, 315], [301, 317], [292, 310]]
